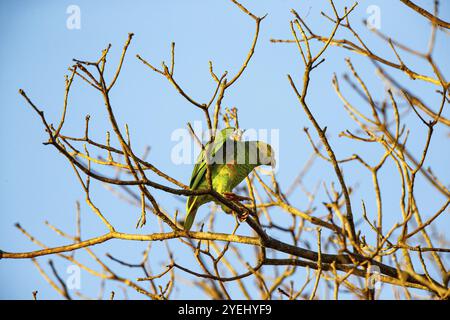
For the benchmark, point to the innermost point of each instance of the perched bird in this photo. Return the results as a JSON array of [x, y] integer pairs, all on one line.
[[231, 162]]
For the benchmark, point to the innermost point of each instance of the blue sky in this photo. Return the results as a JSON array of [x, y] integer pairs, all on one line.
[[37, 184]]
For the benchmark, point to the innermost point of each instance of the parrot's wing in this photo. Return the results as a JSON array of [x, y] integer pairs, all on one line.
[[199, 171]]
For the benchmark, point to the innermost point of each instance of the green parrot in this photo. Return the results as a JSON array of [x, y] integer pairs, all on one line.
[[231, 162]]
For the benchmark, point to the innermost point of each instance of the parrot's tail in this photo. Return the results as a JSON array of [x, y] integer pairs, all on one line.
[[191, 211]]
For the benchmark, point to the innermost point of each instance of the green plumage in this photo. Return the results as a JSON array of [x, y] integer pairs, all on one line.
[[231, 162]]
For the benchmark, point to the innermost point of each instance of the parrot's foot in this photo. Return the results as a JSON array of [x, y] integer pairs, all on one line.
[[234, 197], [242, 217]]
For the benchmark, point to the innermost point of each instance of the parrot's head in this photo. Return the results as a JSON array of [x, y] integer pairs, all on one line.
[[266, 154]]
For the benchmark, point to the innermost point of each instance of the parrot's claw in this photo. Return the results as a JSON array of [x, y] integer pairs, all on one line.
[[234, 197], [243, 217]]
